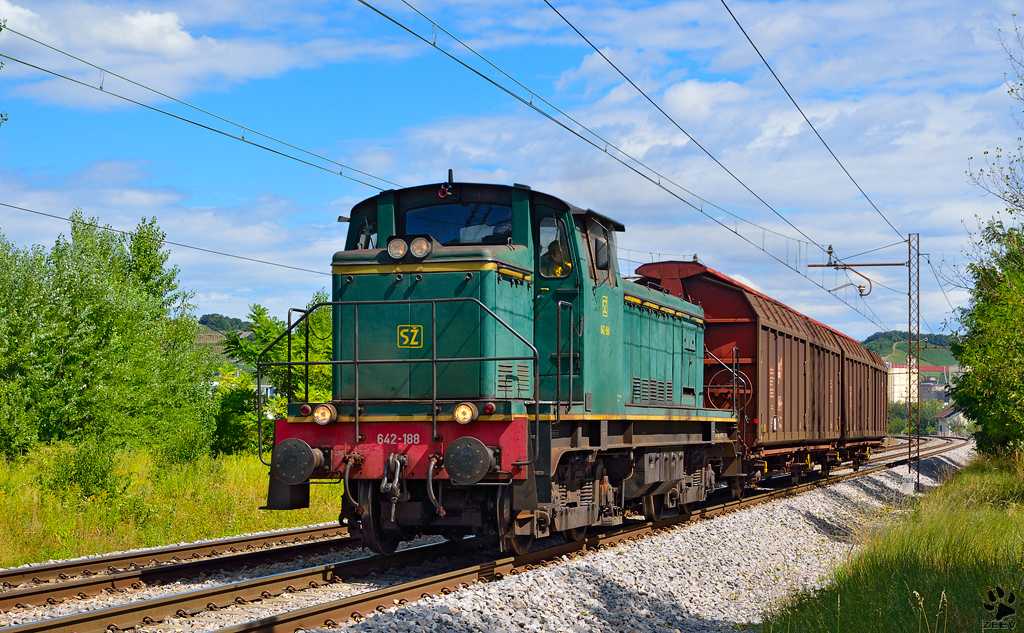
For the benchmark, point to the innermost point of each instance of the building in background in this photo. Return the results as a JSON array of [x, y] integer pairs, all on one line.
[[934, 382]]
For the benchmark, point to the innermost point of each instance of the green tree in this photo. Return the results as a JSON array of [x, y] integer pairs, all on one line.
[[989, 341], [99, 345], [266, 329], [236, 418], [221, 323]]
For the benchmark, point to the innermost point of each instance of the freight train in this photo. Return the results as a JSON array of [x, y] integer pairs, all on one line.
[[491, 373]]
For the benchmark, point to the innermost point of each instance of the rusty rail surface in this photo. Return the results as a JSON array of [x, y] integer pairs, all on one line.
[[52, 593], [335, 611], [109, 564]]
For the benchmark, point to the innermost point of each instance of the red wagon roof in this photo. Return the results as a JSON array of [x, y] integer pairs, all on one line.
[[769, 309]]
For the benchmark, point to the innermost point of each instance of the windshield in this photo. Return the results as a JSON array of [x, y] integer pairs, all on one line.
[[457, 223]]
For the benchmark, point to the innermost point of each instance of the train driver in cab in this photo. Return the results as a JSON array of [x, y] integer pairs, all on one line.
[[553, 262]]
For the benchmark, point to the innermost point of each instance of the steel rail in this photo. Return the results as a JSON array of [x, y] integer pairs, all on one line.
[[146, 612], [174, 553], [137, 578]]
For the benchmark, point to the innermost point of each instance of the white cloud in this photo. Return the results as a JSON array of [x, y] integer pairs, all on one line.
[[699, 100]]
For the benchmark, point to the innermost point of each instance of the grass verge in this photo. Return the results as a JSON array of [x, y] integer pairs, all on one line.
[[58, 503], [933, 568]]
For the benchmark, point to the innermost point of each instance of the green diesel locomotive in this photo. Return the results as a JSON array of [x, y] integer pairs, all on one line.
[[493, 373]]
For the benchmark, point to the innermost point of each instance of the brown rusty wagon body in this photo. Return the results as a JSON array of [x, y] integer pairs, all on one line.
[[814, 395]]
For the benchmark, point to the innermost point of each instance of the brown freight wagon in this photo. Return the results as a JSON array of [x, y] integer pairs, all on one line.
[[813, 395]]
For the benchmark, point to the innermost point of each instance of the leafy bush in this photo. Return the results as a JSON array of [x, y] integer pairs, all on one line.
[[236, 415], [84, 469], [100, 344], [266, 329]]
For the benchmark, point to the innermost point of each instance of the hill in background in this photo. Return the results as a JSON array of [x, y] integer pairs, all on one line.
[[892, 346], [223, 324]]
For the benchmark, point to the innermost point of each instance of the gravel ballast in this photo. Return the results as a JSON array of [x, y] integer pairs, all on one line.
[[714, 575]]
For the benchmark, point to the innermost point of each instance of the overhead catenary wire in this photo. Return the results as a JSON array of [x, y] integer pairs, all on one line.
[[939, 281], [534, 96], [680, 128], [165, 242], [341, 166], [634, 164], [880, 248], [783, 86]]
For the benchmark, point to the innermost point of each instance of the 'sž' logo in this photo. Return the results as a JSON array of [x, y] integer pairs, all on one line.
[[410, 336]]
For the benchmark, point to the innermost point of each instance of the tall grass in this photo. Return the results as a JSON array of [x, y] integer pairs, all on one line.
[[932, 568], [65, 501]]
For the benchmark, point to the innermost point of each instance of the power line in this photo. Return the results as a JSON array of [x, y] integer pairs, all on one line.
[[654, 179], [880, 248], [939, 281], [341, 167], [533, 95], [768, 66], [165, 242], [679, 127]]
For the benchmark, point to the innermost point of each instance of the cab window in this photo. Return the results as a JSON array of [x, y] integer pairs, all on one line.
[[555, 261], [459, 224], [362, 232], [601, 242]]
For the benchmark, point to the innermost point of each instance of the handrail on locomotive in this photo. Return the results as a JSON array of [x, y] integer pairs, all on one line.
[[356, 361]]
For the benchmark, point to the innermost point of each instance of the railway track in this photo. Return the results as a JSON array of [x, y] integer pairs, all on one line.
[[63, 570], [329, 612]]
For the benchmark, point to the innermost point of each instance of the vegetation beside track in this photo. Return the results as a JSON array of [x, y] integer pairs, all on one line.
[[58, 503], [931, 568]]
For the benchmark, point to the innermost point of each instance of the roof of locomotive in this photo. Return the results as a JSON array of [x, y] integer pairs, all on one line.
[[685, 270], [459, 187]]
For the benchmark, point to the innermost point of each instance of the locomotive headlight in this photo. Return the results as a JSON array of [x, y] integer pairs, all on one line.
[[324, 413], [465, 413], [420, 247], [397, 248]]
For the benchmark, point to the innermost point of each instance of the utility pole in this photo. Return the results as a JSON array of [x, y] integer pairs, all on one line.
[[913, 265], [914, 352]]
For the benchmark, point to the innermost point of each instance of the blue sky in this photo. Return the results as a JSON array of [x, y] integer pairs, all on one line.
[[904, 93]]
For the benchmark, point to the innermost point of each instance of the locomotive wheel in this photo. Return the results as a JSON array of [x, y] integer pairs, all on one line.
[[795, 474], [375, 537], [654, 507], [575, 535], [737, 485], [517, 544]]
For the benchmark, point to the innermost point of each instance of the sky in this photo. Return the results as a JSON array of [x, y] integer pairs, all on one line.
[[905, 94]]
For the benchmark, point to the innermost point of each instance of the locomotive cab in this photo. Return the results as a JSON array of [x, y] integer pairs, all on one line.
[[491, 373]]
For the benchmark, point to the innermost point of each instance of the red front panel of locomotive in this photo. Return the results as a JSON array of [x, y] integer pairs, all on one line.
[[509, 435]]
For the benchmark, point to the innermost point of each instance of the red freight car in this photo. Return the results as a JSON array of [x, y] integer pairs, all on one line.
[[813, 395]]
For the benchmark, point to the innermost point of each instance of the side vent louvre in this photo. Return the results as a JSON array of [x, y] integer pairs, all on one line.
[[513, 380], [506, 380], [654, 392], [523, 378]]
